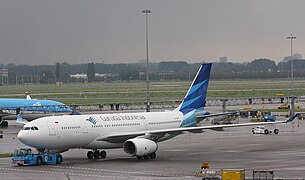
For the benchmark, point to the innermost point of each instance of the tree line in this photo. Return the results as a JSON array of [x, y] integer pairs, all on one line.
[[165, 70]]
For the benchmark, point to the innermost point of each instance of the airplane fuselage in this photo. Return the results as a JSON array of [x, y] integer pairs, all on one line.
[[83, 131]]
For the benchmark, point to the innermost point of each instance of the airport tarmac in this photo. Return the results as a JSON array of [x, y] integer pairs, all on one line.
[[178, 158]]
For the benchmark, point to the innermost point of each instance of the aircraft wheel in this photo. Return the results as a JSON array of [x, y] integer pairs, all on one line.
[[139, 157], [103, 154], [153, 155], [253, 132], [59, 159], [39, 160], [276, 131], [90, 154], [40, 151], [146, 156], [96, 154]]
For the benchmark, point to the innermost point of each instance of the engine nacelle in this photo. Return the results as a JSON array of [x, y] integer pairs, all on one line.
[[139, 147]]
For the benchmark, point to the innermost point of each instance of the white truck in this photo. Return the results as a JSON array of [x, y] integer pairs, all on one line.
[[263, 130]]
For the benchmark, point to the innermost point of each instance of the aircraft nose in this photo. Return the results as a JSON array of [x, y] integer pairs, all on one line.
[[21, 136], [30, 138], [24, 138]]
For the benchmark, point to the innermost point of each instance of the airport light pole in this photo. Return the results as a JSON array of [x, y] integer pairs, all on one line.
[[291, 37], [146, 12]]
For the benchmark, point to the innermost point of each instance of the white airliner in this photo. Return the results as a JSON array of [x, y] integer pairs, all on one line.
[[137, 133]]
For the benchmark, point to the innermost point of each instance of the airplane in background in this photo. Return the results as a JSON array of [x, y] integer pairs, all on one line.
[[137, 133], [36, 108]]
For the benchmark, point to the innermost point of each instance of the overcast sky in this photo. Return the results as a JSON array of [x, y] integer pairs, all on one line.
[[113, 31]]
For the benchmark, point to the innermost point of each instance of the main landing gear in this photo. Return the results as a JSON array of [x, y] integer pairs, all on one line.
[[148, 156], [96, 154]]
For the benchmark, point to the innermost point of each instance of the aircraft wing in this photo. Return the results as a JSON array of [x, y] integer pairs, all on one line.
[[121, 137]]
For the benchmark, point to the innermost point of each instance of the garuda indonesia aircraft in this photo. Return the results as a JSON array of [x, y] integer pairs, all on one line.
[[137, 133]]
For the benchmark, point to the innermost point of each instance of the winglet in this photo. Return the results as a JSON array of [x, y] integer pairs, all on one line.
[[292, 118]]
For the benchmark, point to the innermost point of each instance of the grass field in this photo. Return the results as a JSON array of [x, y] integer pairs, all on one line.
[[129, 90], [6, 155]]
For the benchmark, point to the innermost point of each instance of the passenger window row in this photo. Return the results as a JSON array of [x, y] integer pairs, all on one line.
[[163, 122], [129, 124], [71, 127], [97, 126]]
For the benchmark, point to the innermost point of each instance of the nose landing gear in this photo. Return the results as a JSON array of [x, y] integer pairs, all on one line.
[[96, 154]]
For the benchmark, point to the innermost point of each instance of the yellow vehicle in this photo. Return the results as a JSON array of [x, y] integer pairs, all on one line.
[[247, 108], [233, 174], [284, 106]]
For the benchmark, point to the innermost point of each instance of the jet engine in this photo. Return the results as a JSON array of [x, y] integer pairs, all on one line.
[[139, 147]]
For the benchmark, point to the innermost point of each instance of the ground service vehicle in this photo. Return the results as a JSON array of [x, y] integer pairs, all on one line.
[[24, 156], [233, 174], [263, 130], [284, 106], [269, 118], [208, 174], [263, 174]]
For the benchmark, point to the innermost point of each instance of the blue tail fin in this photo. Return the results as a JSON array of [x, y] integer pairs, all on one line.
[[19, 118], [194, 100], [196, 95]]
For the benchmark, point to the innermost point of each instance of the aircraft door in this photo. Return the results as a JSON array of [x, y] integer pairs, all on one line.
[[145, 124], [84, 126], [51, 129]]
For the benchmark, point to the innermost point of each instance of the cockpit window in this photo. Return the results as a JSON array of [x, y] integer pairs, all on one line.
[[30, 128]]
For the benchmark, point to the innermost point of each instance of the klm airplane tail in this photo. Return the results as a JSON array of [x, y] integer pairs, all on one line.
[[20, 119], [195, 98]]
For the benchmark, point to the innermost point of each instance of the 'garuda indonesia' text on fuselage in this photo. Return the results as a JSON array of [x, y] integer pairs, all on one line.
[[137, 133]]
